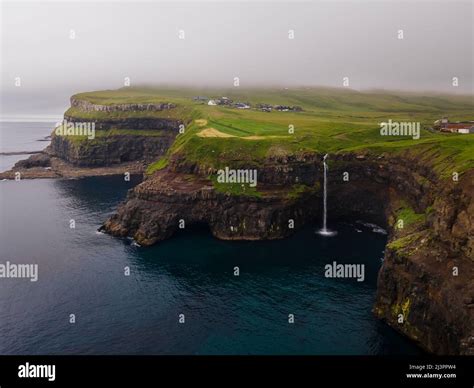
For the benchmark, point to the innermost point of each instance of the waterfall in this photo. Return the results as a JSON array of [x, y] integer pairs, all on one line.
[[325, 196], [324, 231]]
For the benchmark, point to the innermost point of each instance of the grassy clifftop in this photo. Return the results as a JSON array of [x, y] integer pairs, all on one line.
[[332, 120]]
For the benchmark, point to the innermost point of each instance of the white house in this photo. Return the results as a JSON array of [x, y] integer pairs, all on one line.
[[211, 102], [241, 105]]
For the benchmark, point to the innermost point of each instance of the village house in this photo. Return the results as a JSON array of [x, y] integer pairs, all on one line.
[[281, 108], [242, 105], [220, 101], [284, 108], [224, 101], [464, 127], [265, 107]]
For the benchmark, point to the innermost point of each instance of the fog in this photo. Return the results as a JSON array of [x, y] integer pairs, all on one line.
[[223, 40]]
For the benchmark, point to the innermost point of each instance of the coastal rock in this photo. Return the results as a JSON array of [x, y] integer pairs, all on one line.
[[87, 106], [427, 273], [131, 123], [110, 150], [36, 160], [416, 278], [154, 209]]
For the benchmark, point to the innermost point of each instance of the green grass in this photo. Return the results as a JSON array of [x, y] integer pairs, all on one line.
[[240, 189], [128, 132], [100, 135], [298, 190], [409, 217], [160, 164], [333, 120], [179, 113], [404, 242]]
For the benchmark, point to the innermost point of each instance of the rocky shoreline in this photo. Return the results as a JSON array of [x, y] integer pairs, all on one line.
[[44, 165], [87, 106]]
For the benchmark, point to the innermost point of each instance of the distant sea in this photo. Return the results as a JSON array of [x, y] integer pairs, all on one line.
[[81, 272], [20, 134]]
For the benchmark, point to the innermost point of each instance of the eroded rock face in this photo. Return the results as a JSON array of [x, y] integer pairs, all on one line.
[[416, 279], [153, 211], [111, 150], [419, 296], [132, 123], [426, 286], [185, 190], [87, 106], [37, 160]]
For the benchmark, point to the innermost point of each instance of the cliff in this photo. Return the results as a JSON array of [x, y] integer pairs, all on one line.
[[87, 106], [426, 284], [117, 138], [127, 137], [112, 149], [416, 279]]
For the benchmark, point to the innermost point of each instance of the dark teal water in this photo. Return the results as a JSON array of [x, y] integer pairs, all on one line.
[[82, 272]]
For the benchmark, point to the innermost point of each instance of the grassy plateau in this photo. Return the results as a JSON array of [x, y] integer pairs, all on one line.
[[331, 121]]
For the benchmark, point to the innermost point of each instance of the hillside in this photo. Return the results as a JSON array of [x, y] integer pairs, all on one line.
[[331, 120]]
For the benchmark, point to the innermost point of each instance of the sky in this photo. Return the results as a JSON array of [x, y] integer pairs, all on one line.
[[65, 47]]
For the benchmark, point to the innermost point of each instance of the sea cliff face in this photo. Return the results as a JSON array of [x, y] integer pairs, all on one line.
[[110, 150], [416, 279], [159, 206], [125, 138], [426, 284], [118, 139], [88, 106]]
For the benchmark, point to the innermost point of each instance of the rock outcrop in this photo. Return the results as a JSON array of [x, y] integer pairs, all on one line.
[[426, 284], [110, 146], [121, 142], [416, 279], [36, 160], [154, 209], [110, 150], [131, 123], [87, 106]]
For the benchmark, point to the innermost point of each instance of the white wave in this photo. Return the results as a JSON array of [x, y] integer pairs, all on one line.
[[375, 228]]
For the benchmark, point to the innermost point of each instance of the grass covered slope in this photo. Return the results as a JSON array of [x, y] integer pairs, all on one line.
[[332, 120]]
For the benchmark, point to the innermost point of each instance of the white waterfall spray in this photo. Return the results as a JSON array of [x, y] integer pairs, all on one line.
[[324, 231], [325, 195]]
